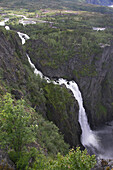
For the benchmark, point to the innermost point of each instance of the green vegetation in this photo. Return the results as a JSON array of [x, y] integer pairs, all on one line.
[[21, 128], [30, 140], [66, 32], [53, 4], [15, 124], [63, 31], [75, 160], [102, 111], [66, 35], [54, 93]]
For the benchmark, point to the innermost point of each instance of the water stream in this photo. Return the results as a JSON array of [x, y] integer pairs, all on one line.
[[98, 29], [2, 23]]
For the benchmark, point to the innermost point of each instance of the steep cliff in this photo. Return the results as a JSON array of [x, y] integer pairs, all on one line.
[[93, 75], [55, 103]]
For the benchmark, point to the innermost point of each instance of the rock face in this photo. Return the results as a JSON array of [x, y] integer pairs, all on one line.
[[17, 77], [11, 54], [94, 77], [63, 111]]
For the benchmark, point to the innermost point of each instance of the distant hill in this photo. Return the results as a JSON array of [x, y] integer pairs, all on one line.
[[100, 2], [75, 5]]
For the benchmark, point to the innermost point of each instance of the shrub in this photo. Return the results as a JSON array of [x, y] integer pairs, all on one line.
[[15, 126], [74, 160]]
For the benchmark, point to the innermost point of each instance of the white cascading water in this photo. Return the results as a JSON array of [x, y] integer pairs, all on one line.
[[23, 37], [88, 138], [2, 23]]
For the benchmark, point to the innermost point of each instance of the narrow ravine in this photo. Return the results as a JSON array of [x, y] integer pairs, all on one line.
[[88, 138], [99, 142], [94, 141]]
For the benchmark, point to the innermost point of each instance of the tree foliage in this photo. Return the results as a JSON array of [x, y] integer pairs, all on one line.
[[15, 128], [18, 127], [74, 160]]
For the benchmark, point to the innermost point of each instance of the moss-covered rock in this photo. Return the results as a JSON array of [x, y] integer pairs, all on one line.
[[63, 110]]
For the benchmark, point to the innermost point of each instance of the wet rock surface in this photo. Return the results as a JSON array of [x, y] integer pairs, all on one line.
[[103, 164]]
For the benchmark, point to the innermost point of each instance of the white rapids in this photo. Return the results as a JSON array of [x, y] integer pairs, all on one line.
[[23, 37], [98, 29], [3, 23], [7, 28], [88, 138]]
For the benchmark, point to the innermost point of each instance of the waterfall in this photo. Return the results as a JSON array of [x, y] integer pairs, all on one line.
[[88, 138], [23, 37], [2, 23], [100, 141]]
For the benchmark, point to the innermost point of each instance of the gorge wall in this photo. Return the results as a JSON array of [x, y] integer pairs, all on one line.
[[93, 75], [54, 102]]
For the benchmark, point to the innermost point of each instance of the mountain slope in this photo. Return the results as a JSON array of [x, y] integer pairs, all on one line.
[[52, 101], [100, 2]]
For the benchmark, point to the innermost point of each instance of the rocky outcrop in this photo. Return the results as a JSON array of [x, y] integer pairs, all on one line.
[[11, 55], [15, 71], [94, 77]]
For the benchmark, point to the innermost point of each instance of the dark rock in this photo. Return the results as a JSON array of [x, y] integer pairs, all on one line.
[[11, 54], [18, 94], [104, 163], [96, 84], [66, 120]]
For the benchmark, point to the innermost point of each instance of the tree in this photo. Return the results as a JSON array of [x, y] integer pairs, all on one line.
[[74, 160], [15, 128]]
